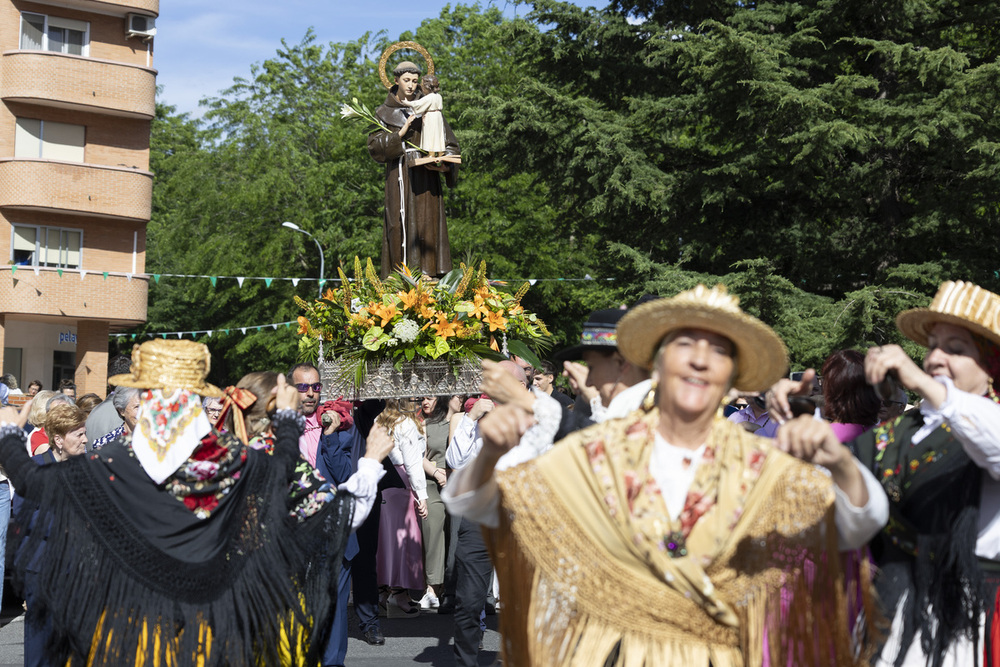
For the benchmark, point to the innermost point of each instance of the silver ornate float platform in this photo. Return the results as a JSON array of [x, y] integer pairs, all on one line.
[[414, 380]]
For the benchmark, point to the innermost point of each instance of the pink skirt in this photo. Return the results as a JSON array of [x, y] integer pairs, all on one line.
[[400, 551]]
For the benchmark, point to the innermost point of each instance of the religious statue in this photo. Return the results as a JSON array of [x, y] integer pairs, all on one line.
[[415, 232]]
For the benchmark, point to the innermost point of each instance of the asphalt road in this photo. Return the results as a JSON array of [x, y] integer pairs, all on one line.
[[425, 640]]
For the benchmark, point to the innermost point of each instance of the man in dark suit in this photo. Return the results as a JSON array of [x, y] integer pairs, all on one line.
[[334, 460]]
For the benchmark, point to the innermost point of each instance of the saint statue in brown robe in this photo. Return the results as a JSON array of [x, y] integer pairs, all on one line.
[[416, 232]]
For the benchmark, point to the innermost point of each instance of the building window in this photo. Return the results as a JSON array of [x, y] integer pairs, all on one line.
[[54, 247], [52, 33], [35, 138]]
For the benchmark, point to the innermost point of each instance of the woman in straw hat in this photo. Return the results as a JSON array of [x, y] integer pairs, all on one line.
[[939, 464], [174, 545], [673, 536]]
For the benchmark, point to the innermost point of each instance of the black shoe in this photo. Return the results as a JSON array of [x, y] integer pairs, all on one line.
[[374, 636], [447, 606]]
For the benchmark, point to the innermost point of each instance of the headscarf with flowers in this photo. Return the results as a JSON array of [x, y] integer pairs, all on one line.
[[170, 425]]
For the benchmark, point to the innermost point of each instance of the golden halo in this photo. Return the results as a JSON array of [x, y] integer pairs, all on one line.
[[396, 47]]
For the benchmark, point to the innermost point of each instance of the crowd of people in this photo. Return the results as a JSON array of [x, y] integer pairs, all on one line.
[[658, 494]]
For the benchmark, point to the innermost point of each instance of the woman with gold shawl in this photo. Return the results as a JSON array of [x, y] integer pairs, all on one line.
[[672, 536]]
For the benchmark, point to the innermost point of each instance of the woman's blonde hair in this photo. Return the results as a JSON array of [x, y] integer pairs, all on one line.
[[62, 419], [398, 409], [37, 414]]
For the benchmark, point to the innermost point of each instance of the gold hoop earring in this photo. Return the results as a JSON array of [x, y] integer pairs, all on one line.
[[649, 402]]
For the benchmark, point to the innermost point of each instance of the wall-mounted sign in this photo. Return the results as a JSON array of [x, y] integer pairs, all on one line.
[[68, 337]]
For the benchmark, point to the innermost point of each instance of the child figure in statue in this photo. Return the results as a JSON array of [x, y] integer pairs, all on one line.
[[429, 108]]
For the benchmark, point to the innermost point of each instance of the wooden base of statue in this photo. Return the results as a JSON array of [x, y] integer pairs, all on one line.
[[440, 159]]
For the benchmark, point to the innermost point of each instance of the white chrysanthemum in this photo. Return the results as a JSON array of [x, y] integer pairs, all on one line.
[[392, 342], [406, 331]]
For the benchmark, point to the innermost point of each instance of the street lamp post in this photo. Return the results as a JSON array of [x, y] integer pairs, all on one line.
[[322, 257]]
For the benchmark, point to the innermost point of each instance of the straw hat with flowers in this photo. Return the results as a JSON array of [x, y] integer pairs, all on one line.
[[761, 358], [169, 365]]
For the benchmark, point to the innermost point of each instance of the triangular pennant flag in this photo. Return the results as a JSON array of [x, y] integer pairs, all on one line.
[[133, 336], [83, 274], [532, 281], [210, 332], [225, 331], [36, 270], [267, 282], [164, 336], [243, 330], [295, 282], [105, 275], [178, 335], [274, 326], [213, 280], [586, 276], [128, 276], [59, 271], [288, 325], [240, 280], [156, 278], [13, 269], [322, 282]]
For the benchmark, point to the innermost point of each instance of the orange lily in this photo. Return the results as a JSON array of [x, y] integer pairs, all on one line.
[[427, 312], [382, 311], [444, 327], [330, 295], [303, 325], [410, 299], [479, 307], [496, 321]]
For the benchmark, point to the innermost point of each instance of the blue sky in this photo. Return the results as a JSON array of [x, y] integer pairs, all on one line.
[[201, 46]]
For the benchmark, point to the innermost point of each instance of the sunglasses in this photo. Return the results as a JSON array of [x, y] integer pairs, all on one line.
[[303, 387]]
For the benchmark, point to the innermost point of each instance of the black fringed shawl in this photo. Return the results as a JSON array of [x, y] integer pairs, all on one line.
[[127, 570], [928, 548]]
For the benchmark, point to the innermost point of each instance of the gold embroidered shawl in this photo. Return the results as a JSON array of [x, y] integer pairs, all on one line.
[[583, 553]]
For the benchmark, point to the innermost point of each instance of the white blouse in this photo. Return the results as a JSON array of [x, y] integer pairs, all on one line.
[[975, 421], [409, 446]]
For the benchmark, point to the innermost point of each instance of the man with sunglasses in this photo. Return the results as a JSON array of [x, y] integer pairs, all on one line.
[[305, 378]]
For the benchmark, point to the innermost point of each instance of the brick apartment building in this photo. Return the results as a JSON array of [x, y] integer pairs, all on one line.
[[77, 94]]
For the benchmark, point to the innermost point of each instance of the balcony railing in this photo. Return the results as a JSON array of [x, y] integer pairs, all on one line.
[[64, 294], [70, 187], [88, 84]]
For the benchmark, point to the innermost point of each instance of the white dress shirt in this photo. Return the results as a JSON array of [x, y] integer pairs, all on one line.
[[363, 485]]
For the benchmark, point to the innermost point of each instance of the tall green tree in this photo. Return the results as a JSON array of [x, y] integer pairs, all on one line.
[[834, 139]]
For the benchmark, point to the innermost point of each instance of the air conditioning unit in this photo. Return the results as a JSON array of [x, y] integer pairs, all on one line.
[[140, 25]]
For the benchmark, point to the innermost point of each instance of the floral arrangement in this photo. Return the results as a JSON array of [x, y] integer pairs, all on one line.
[[407, 317]]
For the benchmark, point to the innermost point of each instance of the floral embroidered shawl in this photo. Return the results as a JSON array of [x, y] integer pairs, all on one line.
[[593, 570]]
